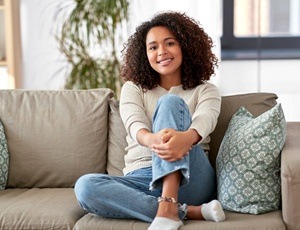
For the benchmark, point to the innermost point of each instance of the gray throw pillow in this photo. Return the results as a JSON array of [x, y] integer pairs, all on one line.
[[248, 162], [4, 159]]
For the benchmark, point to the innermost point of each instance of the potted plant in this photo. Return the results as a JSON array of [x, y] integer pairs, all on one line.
[[89, 39]]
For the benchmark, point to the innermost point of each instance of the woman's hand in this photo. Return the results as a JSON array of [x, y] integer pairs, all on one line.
[[169, 144], [173, 145]]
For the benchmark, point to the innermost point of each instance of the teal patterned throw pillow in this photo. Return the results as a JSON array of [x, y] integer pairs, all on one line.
[[3, 158], [248, 162]]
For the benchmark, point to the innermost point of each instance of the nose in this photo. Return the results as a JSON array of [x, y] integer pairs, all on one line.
[[161, 51]]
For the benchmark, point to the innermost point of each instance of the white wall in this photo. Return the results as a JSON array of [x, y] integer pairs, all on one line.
[[2, 35], [3, 69], [277, 76], [42, 60]]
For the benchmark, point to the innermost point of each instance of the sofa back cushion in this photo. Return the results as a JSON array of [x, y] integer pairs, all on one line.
[[54, 137], [116, 140], [255, 103]]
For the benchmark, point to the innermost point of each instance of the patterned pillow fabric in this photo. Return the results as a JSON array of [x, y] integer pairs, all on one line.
[[248, 162], [3, 158]]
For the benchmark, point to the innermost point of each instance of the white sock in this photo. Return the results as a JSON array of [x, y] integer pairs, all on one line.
[[164, 223], [213, 211]]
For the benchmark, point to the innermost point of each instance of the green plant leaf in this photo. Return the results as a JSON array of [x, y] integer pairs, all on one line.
[[92, 22]]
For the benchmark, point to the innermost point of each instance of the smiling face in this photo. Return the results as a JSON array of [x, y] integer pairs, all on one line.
[[164, 54]]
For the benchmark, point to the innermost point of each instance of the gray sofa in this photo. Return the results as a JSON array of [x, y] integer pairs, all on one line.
[[54, 137]]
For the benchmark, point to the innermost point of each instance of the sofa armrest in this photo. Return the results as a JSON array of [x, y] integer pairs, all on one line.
[[290, 176]]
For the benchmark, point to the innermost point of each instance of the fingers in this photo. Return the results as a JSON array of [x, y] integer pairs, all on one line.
[[169, 156], [166, 137]]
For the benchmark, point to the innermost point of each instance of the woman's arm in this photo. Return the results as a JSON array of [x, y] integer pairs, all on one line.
[[132, 110], [205, 117]]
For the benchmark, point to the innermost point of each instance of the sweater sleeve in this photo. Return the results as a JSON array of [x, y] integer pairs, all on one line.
[[205, 117], [132, 110]]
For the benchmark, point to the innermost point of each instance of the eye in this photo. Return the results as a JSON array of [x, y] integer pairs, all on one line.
[[170, 43], [153, 48]]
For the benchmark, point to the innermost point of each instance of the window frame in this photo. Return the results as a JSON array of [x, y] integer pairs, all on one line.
[[245, 48]]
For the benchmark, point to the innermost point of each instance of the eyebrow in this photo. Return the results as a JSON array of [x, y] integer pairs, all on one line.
[[167, 38]]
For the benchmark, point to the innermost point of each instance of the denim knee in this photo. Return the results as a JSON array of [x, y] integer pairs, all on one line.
[[82, 189], [171, 112], [170, 101]]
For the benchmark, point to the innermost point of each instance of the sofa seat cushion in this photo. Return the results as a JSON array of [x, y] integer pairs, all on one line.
[[268, 221], [39, 209]]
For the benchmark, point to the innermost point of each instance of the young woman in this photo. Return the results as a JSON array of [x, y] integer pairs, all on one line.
[[168, 109]]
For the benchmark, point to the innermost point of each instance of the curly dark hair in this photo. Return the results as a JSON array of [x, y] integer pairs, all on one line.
[[198, 60]]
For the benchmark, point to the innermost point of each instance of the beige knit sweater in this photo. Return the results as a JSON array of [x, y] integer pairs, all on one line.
[[137, 108]]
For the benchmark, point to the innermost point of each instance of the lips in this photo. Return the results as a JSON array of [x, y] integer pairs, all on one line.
[[165, 61]]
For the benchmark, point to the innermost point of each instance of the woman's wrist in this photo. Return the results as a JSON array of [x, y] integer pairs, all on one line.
[[193, 136], [144, 137]]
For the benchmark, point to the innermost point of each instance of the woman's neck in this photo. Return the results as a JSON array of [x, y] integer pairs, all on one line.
[[168, 82]]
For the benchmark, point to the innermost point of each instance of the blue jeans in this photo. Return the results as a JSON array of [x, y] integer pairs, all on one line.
[[129, 196]]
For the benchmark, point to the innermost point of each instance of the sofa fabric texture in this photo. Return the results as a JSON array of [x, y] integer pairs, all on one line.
[[116, 140], [35, 208], [290, 176], [54, 137], [46, 131]]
